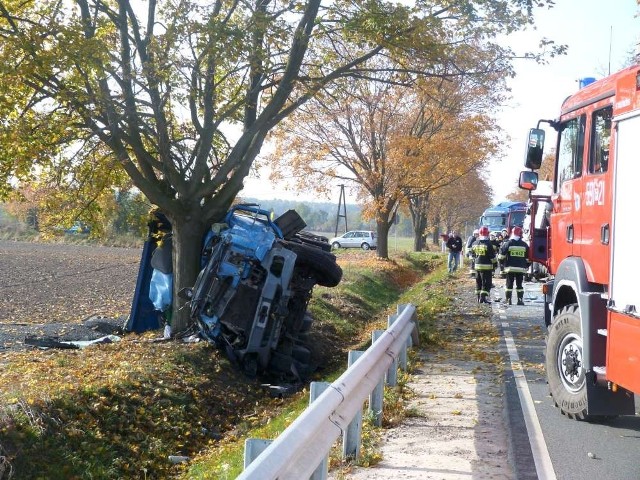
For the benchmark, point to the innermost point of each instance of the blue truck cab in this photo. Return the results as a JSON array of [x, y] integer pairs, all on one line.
[[504, 215]]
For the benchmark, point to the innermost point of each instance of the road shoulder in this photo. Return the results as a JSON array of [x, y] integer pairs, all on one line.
[[457, 426]]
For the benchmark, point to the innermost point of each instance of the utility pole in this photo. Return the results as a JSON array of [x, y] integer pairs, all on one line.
[[342, 202]]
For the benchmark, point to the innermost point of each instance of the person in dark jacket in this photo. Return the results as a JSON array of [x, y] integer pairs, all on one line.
[[495, 241], [454, 244], [501, 237], [516, 262], [468, 247], [485, 260]]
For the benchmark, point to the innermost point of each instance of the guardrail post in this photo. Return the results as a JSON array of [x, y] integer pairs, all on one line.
[[392, 373], [402, 358], [322, 472], [376, 398], [351, 437], [414, 339], [252, 448]]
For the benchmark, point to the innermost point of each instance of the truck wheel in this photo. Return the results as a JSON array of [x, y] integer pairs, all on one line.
[[564, 363], [322, 265]]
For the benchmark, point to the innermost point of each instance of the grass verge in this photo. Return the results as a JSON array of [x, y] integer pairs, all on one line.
[[121, 410]]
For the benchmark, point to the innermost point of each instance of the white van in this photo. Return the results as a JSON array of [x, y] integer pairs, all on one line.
[[364, 239]]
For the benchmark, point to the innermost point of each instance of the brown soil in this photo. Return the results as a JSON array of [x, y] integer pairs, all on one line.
[[49, 289]]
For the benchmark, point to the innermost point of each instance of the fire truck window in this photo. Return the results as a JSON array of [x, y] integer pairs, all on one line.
[[600, 136], [570, 150]]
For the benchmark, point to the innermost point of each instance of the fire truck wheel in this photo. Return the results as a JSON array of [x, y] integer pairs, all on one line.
[[564, 363]]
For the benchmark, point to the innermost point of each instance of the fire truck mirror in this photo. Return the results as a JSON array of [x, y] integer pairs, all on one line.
[[535, 147], [528, 180]]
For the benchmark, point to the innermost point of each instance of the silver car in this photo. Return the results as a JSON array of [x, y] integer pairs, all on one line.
[[364, 239]]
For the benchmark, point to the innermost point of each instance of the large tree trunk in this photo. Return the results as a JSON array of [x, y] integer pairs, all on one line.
[[383, 225], [419, 239], [187, 247], [436, 230], [418, 208]]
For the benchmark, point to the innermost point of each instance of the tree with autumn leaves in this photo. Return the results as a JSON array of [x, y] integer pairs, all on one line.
[[454, 139], [396, 145], [175, 98], [454, 206]]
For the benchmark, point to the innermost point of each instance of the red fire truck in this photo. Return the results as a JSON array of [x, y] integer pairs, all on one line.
[[589, 242]]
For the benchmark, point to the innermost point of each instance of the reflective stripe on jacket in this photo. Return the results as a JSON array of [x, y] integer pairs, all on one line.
[[516, 256], [484, 253]]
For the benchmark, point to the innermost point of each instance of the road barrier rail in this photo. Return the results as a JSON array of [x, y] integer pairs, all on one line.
[[301, 451]]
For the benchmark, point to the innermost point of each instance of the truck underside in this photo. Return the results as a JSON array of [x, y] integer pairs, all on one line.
[[251, 297]]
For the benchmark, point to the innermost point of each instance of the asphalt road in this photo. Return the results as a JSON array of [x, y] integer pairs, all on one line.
[[549, 445]]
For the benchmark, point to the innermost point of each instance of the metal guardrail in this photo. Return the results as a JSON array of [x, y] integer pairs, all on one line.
[[301, 450]]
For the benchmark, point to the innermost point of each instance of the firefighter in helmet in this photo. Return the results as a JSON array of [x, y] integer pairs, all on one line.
[[504, 234], [516, 262], [485, 260]]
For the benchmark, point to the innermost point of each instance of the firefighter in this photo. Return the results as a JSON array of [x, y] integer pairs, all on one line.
[[485, 260], [495, 241], [516, 261], [504, 238]]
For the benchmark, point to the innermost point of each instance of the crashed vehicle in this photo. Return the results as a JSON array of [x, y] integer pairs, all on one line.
[[251, 295]]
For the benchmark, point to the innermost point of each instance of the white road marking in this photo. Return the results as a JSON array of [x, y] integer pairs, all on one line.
[[544, 467]]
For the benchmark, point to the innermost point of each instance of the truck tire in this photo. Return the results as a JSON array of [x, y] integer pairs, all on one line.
[[564, 364], [322, 265]]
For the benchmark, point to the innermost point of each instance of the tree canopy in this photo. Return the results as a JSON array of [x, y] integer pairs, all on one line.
[[396, 144]]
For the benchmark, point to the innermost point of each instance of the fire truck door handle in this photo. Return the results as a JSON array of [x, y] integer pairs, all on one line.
[[604, 234], [570, 233]]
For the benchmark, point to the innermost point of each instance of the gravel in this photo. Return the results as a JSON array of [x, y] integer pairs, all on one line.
[[54, 289]]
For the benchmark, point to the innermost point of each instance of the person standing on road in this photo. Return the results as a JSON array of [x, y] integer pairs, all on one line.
[[485, 260], [495, 241], [468, 247], [516, 262], [454, 244], [503, 237]]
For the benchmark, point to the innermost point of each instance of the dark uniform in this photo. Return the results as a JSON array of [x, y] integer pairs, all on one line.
[[485, 260], [469, 249], [495, 241], [516, 261]]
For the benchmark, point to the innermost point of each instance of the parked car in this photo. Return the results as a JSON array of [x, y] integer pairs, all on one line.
[[78, 228], [364, 239]]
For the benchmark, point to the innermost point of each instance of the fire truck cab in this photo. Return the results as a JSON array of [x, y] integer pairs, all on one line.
[[589, 245]]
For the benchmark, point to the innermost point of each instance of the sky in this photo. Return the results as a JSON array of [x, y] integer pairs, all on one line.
[[600, 35]]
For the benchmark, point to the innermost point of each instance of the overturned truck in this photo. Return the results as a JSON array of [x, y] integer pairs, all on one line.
[[251, 296]]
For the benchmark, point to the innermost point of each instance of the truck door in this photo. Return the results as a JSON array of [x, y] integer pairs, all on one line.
[[623, 335], [595, 212], [566, 199], [537, 228]]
